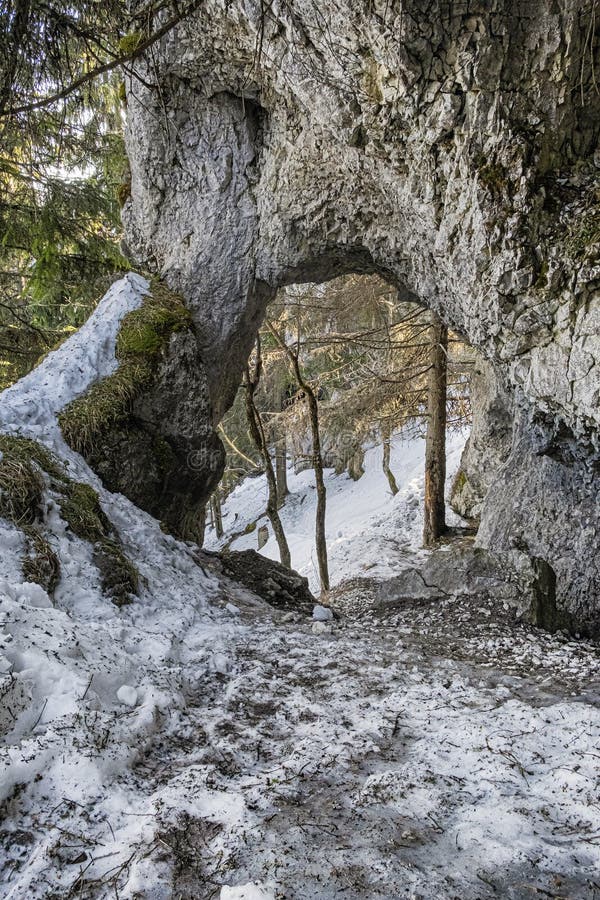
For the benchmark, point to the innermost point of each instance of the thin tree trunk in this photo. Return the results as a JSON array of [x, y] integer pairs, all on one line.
[[317, 459], [435, 444], [281, 471], [386, 460], [201, 527], [215, 503], [257, 433]]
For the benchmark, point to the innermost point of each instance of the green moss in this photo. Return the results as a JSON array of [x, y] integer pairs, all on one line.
[[26, 450], [104, 406], [143, 336], [542, 279], [21, 489], [23, 463], [120, 578], [81, 510], [145, 331], [40, 563], [584, 232]]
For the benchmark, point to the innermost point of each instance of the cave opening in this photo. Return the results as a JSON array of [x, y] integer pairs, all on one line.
[[370, 354]]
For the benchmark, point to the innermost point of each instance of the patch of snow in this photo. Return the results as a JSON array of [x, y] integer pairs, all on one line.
[[31, 405], [248, 891], [127, 695]]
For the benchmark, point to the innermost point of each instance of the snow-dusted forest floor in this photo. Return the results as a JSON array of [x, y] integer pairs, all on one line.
[[434, 752], [197, 744]]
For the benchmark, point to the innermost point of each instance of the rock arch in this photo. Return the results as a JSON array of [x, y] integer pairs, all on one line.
[[449, 146]]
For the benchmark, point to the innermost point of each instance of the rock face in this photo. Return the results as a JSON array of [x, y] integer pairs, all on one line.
[[489, 443], [449, 147]]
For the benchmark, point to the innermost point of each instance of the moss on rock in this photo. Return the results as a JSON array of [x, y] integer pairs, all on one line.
[[23, 463], [493, 176], [40, 563], [584, 232], [81, 510], [144, 334], [27, 469], [120, 578]]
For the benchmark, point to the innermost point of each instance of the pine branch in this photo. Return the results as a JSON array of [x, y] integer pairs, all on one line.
[[106, 67]]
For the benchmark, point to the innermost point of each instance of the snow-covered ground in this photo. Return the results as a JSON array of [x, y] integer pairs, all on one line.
[[197, 744], [369, 530]]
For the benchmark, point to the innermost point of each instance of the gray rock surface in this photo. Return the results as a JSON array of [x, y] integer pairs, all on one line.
[[489, 442], [165, 456], [447, 146]]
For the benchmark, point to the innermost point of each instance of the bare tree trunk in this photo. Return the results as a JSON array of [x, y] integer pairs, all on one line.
[[215, 505], [257, 433], [317, 459], [435, 444], [201, 526], [386, 460], [281, 471]]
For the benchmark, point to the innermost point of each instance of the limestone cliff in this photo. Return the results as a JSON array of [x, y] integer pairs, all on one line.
[[449, 146]]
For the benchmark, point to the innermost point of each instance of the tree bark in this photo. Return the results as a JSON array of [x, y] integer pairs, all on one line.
[[281, 471], [257, 433], [217, 517], [317, 459], [435, 444], [386, 461]]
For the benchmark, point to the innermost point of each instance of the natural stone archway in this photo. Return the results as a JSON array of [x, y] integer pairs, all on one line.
[[448, 146]]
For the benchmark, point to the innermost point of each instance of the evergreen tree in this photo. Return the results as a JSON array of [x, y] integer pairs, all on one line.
[[62, 161]]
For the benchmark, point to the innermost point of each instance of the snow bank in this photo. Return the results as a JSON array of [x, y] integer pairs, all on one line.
[[86, 687], [30, 406]]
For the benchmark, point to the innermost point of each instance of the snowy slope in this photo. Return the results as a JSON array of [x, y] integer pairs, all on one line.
[[87, 685], [198, 745], [369, 531]]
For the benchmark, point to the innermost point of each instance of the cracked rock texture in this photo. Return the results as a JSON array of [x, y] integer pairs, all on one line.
[[489, 443], [450, 147]]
